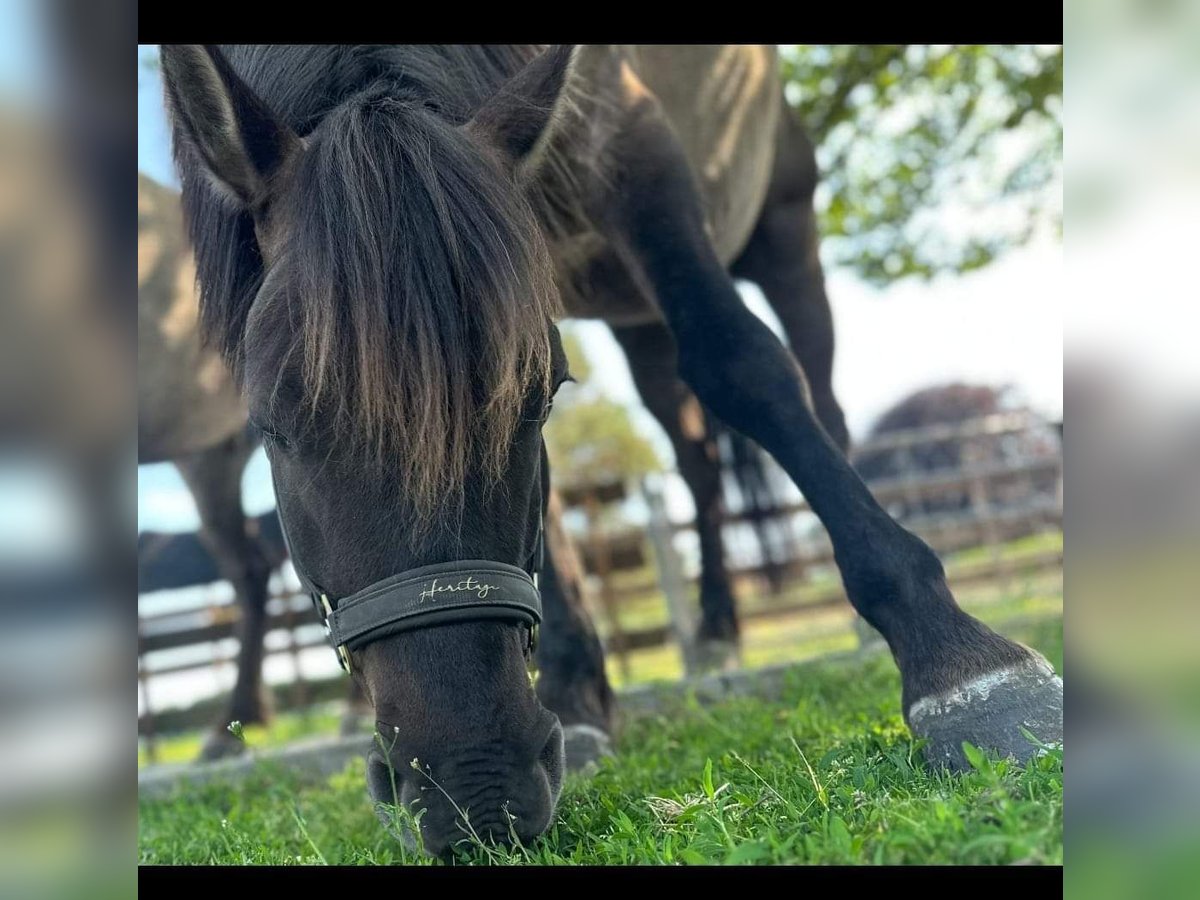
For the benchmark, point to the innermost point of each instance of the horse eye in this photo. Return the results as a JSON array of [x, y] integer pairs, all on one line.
[[273, 436]]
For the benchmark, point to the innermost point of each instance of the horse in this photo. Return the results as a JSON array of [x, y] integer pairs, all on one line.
[[192, 414], [385, 238]]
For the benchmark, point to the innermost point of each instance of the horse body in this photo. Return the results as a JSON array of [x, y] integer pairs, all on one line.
[[187, 400], [191, 413], [747, 162], [723, 103]]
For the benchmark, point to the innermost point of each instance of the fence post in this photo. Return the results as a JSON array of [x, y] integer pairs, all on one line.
[[976, 452], [144, 686], [670, 577], [300, 697], [912, 491], [598, 541]]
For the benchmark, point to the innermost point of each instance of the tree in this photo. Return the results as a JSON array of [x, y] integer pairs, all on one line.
[[594, 440], [933, 158], [951, 404], [590, 437], [945, 404]]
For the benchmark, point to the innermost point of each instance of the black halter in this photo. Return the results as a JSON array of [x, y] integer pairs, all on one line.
[[464, 590]]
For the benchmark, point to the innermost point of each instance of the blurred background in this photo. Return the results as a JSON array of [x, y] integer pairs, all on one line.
[[955, 307]]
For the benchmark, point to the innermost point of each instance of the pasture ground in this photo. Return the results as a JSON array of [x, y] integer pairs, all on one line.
[[828, 773]]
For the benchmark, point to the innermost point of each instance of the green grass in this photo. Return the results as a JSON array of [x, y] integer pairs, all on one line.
[[826, 774]]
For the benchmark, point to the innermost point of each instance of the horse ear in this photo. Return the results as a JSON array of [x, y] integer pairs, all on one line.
[[519, 117], [241, 143]]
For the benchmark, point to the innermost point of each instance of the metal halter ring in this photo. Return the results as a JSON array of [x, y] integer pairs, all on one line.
[[343, 654]]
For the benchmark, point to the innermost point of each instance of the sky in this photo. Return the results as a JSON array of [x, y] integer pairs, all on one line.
[[1001, 325]]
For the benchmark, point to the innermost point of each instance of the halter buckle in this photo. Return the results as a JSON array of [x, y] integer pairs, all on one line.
[[343, 654]]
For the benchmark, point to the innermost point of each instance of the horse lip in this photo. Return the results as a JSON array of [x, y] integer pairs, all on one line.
[[380, 779]]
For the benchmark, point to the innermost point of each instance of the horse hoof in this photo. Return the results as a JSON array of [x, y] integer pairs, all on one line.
[[584, 746], [991, 712], [221, 745], [717, 656]]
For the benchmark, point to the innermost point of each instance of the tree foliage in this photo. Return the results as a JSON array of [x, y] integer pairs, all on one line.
[[933, 158], [590, 437], [950, 404], [594, 440]]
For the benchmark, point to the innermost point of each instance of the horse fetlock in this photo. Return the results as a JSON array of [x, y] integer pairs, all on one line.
[[722, 654], [1012, 711]]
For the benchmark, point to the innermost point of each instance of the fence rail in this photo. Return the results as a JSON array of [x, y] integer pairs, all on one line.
[[978, 522]]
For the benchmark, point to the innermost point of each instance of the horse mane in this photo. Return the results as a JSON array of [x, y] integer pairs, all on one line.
[[414, 273]]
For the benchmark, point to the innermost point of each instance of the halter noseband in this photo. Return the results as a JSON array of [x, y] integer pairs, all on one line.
[[466, 590]]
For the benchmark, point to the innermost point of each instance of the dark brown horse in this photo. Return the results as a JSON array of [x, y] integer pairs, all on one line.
[[191, 413], [385, 236]]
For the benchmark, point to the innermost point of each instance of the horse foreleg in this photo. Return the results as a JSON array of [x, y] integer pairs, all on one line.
[[571, 680], [651, 353], [783, 259], [961, 681], [214, 477]]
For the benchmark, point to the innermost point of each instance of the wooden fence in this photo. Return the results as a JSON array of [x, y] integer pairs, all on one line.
[[998, 496]]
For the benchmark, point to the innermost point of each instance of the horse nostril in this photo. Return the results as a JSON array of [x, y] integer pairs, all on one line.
[[553, 759], [385, 789], [508, 797]]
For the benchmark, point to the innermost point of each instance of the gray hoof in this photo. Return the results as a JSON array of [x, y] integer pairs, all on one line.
[[584, 746], [221, 745], [354, 723], [990, 712], [718, 656]]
